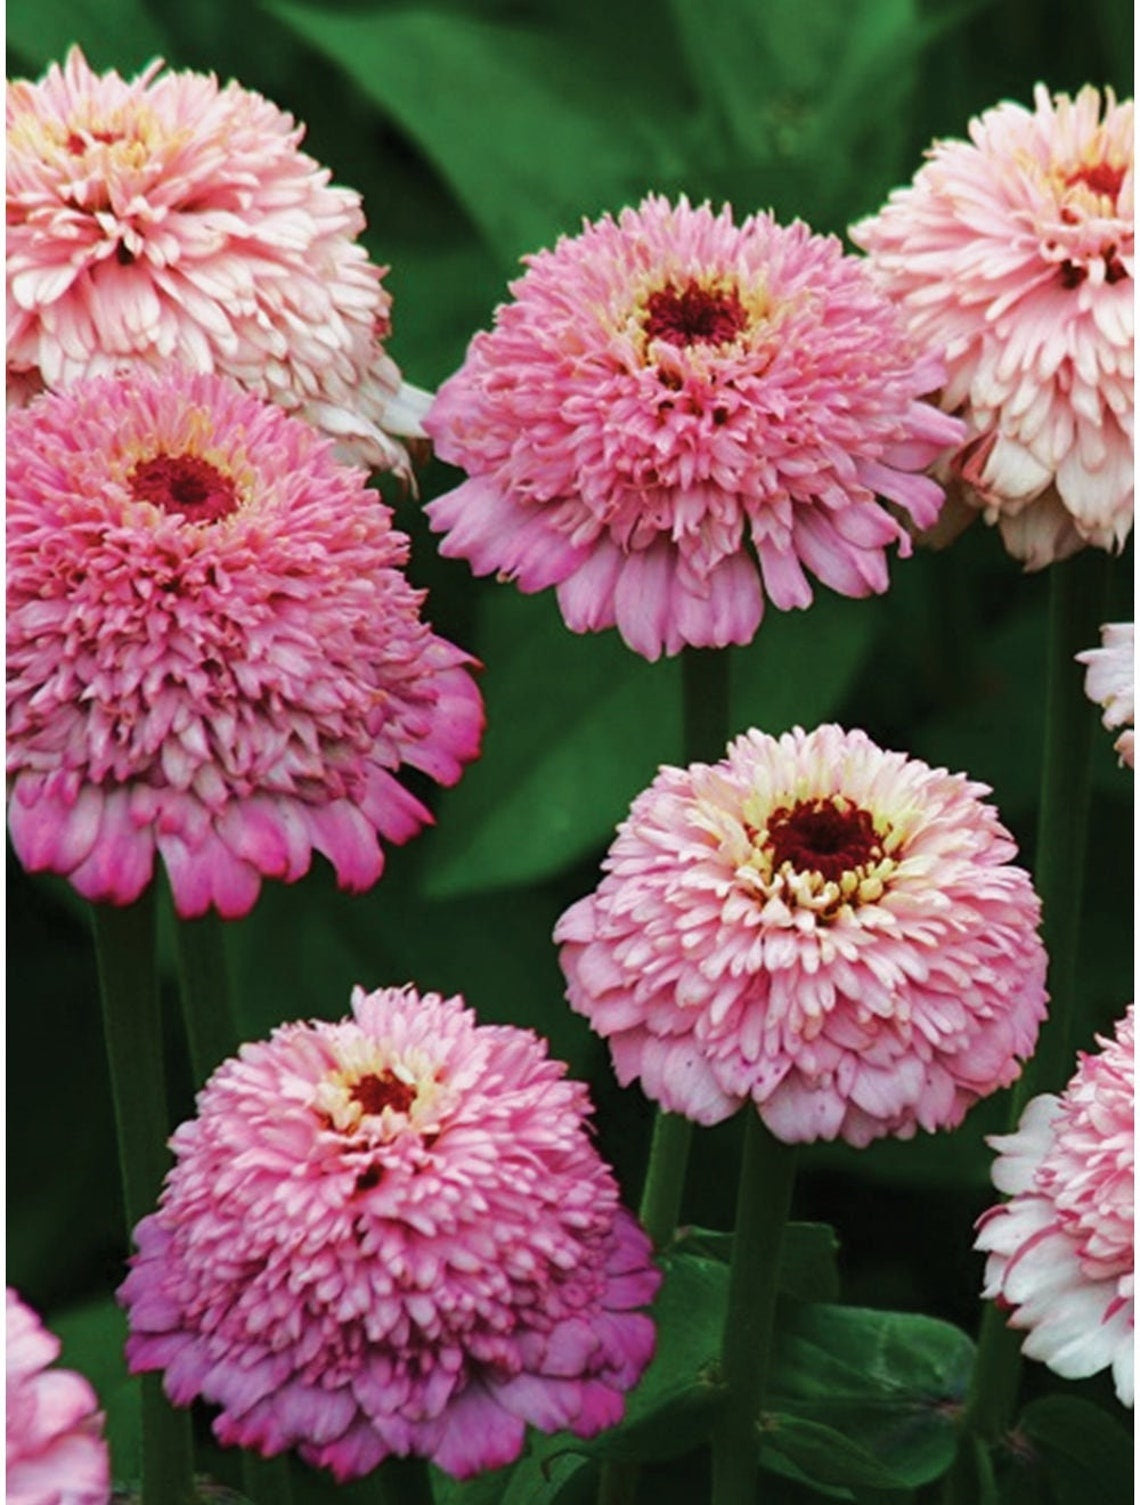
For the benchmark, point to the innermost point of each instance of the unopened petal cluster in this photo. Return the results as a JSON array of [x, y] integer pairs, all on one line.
[[1111, 680], [392, 1235], [163, 218], [1061, 1251], [678, 416], [835, 933], [55, 1453], [213, 651], [1012, 255]]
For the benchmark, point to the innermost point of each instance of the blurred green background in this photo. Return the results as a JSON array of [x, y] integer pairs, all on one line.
[[476, 132]]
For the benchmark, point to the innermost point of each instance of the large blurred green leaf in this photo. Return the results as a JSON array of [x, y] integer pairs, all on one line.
[[577, 726], [118, 34], [515, 116], [93, 1336]]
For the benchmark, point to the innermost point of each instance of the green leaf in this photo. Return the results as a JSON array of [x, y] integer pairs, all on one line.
[[518, 120], [823, 1455], [675, 1406], [577, 727], [93, 1336], [113, 33], [549, 1476], [891, 1381], [807, 1257], [1082, 1452]]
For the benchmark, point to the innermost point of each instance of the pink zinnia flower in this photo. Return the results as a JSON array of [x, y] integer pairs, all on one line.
[[392, 1235], [1061, 1250], [668, 389], [1110, 683], [165, 219], [832, 931], [56, 1454], [212, 649], [1012, 256]]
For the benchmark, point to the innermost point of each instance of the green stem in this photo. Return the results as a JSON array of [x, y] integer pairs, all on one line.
[[767, 1175], [665, 1176], [266, 1481], [405, 1481], [1077, 596], [128, 984], [211, 1029]]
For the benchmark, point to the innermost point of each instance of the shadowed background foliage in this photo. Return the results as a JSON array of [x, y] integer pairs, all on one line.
[[478, 131]]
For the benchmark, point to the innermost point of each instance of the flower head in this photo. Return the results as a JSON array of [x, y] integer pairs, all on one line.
[[56, 1454], [1110, 682], [212, 649], [392, 1235], [1062, 1249], [676, 408], [1012, 256], [164, 219], [832, 931]]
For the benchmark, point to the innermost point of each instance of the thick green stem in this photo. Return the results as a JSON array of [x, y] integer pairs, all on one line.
[[203, 985], [665, 1176], [128, 983], [266, 1481], [1076, 607], [405, 1481], [767, 1175]]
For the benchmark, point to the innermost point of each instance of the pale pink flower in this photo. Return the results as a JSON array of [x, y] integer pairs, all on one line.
[[1062, 1249], [833, 931], [677, 415], [392, 1235], [1110, 682], [1012, 257], [163, 218], [56, 1454], [213, 651]]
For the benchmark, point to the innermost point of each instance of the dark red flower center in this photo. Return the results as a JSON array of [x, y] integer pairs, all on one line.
[[184, 484], [378, 1091], [694, 315], [1101, 178], [77, 144], [820, 836]]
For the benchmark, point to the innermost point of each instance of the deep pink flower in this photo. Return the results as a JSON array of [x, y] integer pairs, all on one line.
[[1062, 1249], [668, 393], [1012, 256], [212, 649], [392, 1235], [1110, 682], [832, 931], [164, 219], [56, 1454]]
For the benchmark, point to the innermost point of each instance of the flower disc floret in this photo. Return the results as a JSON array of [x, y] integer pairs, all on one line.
[[163, 218], [1012, 255], [392, 1235], [55, 1452], [213, 652], [677, 415], [834, 932], [1061, 1251]]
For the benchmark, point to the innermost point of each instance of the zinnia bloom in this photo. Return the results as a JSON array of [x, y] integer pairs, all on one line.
[[1012, 256], [1110, 683], [212, 649], [1061, 1250], [832, 931], [668, 389], [56, 1454], [392, 1235], [165, 219]]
